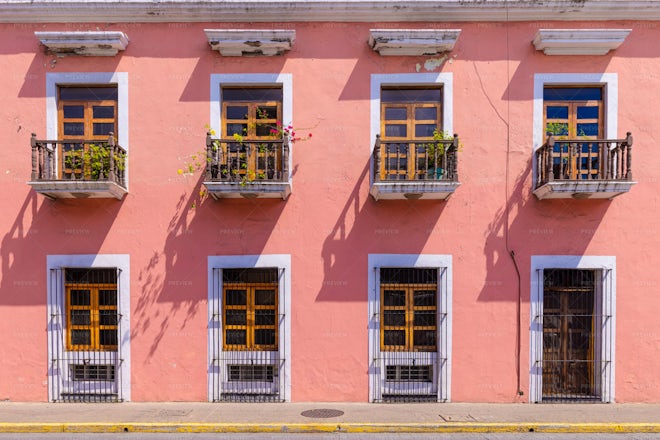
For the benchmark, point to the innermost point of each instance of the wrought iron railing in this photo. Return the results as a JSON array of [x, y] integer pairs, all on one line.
[[78, 160], [431, 160], [584, 159], [231, 160]]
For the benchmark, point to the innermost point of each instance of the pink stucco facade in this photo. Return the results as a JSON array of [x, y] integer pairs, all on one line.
[[490, 229]]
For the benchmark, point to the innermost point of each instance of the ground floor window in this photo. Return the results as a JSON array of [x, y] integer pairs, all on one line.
[[410, 298], [249, 329], [88, 329], [572, 331]]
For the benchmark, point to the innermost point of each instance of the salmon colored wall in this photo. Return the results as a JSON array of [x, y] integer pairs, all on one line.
[[330, 223]]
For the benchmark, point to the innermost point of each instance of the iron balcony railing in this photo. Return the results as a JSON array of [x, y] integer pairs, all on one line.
[[78, 160], [230, 160], [408, 160], [584, 159]]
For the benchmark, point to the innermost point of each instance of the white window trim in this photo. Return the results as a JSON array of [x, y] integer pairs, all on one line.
[[281, 261], [609, 82], [56, 306], [607, 264], [218, 80], [377, 261], [120, 79]]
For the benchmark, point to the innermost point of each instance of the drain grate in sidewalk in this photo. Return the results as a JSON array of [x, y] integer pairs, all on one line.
[[322, 413], [458, 418]]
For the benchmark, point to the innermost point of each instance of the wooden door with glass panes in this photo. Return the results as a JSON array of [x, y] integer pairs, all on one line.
[[408, 116], [84, 113], [250, 317], [574, 113]]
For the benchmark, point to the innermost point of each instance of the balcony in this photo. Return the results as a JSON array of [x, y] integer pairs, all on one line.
[[583, 169], [248, 169], [415, 169], [78, 169]]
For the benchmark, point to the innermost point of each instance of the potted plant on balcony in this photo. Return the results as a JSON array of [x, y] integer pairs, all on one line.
[[93, 163], [435, 151]]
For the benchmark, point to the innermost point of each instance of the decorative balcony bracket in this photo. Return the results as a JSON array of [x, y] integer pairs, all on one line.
[[250, 42], [413, 42], [579, 41], [92, 43]]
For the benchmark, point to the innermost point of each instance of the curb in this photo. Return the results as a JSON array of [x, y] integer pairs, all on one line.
[[458, 427]]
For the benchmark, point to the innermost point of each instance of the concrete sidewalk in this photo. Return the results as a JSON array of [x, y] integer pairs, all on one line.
[[328, 417]]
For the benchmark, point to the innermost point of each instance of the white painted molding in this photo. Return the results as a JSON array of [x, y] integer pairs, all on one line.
[[239, 42], [413, 42], [278, 11], [84, 43], [579, 41]]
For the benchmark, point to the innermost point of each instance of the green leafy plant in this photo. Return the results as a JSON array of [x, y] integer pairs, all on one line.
[[94, 161]]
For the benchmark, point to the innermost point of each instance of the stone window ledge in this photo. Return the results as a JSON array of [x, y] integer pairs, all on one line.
[[412, 42], [240, 42], [86, 43], [579, 41]]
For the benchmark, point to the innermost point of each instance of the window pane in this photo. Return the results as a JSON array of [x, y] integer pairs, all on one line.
[[267, 112], [425, 113], [235, 337], [424, 130], [80, 317], [411, 95], [557, 128], [264, 337], [424, 338], [584, 112], [424, 297], [394, 318], [252, 94], [103, 128], [233, 129], [394, 337], [107, 297], [88, 93], [79, 297], [73, 111], [237, 112], [264, 297], [572, 93], [393, 298], [103, 111], [556, 112], [396, 113], [396, 130], [74, 129], [590, 129], [424, 318], [108, 317], [108, 337], [264, 317], [235, 317], [235, 297], [81, 337], [265, 130]]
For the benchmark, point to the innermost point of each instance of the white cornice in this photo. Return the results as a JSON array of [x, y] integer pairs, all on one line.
[[90, 43], [442, 11], [239, 42], [415, 42], [579, 41]]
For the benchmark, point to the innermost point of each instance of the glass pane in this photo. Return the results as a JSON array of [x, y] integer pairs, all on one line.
[[237, 112], [233, 129], [80, 317], [396, 113], [107, 297], [235, 317], [74, 129], [424, 297], [425, 113], [397, 164], [74, 111], [81, 337], [264, 317], [557, 128], [394, 318], [108, 317], [266, 130], [424, 318], [584, 112], [589, 129], [393, 298], [236, 297], [103, 128], [411, 95], [264, 337], [79, 297], [424, 130], [572, 93], [103, 111], [556, 112], [252, 94], [108, 337], [424, 338], [394, 337], [396, 130], [235, 337], [264, 297], [267, 112], [88, 93]]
